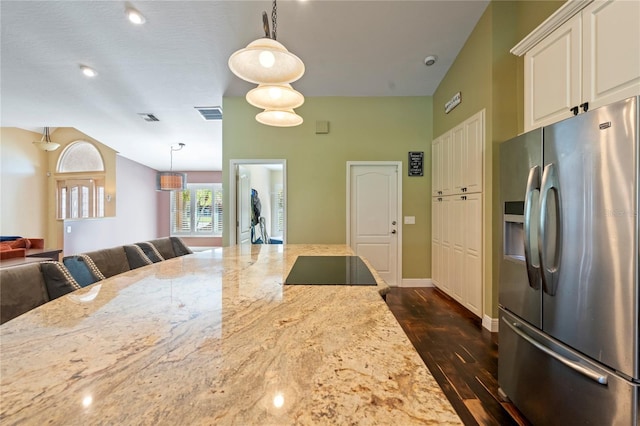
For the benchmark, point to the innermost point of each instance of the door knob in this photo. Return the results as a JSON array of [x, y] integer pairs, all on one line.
[[393, 232]]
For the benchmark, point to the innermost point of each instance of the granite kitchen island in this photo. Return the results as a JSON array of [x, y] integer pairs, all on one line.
[[216, 338]]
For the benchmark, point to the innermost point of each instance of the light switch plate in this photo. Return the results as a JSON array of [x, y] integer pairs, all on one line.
[[409, 220]]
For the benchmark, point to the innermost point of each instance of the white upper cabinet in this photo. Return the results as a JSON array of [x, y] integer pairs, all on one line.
[[458, 142], [473, 158], [611, 51], [552, 77], [579, 59], [441, 165], [467, 142], [457, 158]]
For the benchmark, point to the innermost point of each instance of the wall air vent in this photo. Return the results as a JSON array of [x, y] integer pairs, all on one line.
[[148, 117], [210, 113]]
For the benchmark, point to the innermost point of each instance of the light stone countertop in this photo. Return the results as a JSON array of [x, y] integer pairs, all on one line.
[[215, 338]]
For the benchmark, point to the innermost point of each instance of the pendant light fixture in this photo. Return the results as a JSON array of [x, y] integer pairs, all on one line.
[[269, 64], [265, 60], [279, 118], [45, 142], [275, 96], [171, 181]]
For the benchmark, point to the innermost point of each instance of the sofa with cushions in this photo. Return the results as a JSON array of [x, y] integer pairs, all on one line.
[[25, 287], [17, 247]]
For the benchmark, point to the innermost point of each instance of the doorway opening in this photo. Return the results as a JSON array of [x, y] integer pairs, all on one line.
[[263, 180]]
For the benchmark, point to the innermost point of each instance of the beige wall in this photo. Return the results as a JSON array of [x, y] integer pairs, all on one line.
[[65, 136], [490, 77], [29, 176], [28, 204], [359, 129], [23, 187]]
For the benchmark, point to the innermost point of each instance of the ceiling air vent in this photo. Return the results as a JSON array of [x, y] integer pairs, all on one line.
[[148, 117], [210, 113]]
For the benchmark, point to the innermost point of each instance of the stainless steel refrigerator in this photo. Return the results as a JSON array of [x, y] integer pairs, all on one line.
[[569, 293]]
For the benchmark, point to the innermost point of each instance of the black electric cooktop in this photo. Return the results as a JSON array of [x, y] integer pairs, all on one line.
[[330, 270]]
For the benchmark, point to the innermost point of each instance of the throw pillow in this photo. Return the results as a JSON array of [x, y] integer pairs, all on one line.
[[58, 280]]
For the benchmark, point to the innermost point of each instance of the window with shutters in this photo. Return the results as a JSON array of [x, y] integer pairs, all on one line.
[[80, 182], [197, 211]]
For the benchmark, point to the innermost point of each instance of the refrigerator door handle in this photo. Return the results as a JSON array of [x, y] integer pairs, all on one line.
[[533, 184], [585, 371], [549, 267]]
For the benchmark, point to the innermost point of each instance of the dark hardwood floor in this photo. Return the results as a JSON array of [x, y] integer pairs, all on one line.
[[461, 355]]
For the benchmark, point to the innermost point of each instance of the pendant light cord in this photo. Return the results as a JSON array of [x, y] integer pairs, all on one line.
[[181, 145], [274, 16]]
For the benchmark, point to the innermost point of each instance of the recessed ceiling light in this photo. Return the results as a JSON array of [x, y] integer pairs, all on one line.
[[134, 16], [430, 60], [88, 71]]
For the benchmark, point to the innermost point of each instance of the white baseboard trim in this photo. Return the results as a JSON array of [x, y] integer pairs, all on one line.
[[417, 282], [490, 324]]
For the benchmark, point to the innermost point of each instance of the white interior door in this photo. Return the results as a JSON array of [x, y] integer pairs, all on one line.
[[244, 205], [373, 216]]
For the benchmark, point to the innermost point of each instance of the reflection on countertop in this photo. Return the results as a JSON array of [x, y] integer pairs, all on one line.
[[215, 338]]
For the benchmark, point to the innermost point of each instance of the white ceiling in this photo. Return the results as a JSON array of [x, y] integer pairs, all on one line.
[[177, 61]]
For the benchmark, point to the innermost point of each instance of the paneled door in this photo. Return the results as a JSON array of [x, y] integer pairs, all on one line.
[[374, 210]]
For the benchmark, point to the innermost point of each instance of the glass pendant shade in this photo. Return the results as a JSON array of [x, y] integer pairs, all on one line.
[[266, 61], [171, 181], [279, 118], [45, 143], [47, 146], [275, 96]]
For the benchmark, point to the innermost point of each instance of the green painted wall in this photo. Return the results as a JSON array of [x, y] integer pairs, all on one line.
[[376, 129], [490, 77]]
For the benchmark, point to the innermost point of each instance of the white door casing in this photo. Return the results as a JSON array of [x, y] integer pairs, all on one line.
[[244, 206], [374, 209], [231, 211]]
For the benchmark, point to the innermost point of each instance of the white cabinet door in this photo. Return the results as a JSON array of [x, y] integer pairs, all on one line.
[[456, 265], [552, 76], [457, 248], [441, 163], [445, 243], [467, 149], [472, 212], [436, 167], [458, 141], [441, 242], [445, 167], [472, 158], [611, 51], [436, 241]]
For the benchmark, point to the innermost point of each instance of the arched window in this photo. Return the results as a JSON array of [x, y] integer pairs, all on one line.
[[80, 182], [80, 156]]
